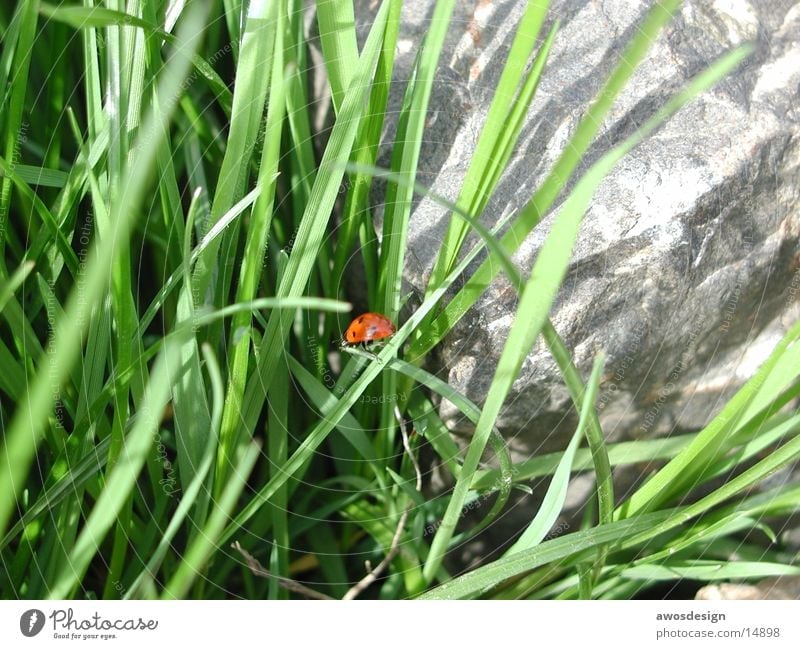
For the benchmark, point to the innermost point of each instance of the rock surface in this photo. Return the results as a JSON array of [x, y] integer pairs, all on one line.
[[772, 588], [686, 269]]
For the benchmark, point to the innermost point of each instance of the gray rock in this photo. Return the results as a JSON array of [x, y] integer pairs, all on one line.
[[772, 588], [686, 269]]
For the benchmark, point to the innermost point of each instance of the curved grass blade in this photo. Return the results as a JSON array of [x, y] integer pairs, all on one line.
[[64, 248], [505, 478], [478, 581], [619, 454], [85, 18], [708, 570], [500, 132], [24, 32], [255, 245], [488, 237], [789, 452], [556, 494], [325, 402], [193, 562], [405, 160], [82, 471]]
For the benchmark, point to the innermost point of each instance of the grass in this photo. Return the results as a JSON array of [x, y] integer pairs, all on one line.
[[176, 236]]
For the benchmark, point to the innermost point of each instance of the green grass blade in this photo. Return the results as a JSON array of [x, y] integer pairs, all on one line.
[[12, 112], [226, 219], [205, 542], [405, 159], [90, 18], [398, 200], [9, 40], [325, 402], [42, 176], [174, 280], [505, 476], [787, 453], [708, 571], [356, 211], [41, 210], [85, 17], [497, 125], [481, 579], [770, 433], [556, 494], [594, 432], [125, 68], [9, 286], [255, 246], [621, 453], [427, 422], [337, 35], [278, 449], [516, 120], [13, 379], [500, 255], [204, 317], [250, 91], [252, 79], [80, 472], [740, 516], [192, 414]]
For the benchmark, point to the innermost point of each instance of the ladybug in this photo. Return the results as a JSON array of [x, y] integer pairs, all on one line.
[[367, 328]]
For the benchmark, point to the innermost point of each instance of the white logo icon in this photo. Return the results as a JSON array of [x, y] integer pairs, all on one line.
[[31, 622]]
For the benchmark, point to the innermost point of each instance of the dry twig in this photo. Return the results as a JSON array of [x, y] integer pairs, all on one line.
[[289, 584], [373, 573]]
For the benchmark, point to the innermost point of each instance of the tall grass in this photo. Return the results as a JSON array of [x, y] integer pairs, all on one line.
[[176, 237]]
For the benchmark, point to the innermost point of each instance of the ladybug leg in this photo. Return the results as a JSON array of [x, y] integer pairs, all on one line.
[[360, 350], [368, 351], [377, 345]]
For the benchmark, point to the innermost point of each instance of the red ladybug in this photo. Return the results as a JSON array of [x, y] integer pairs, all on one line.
[[368, 327]]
